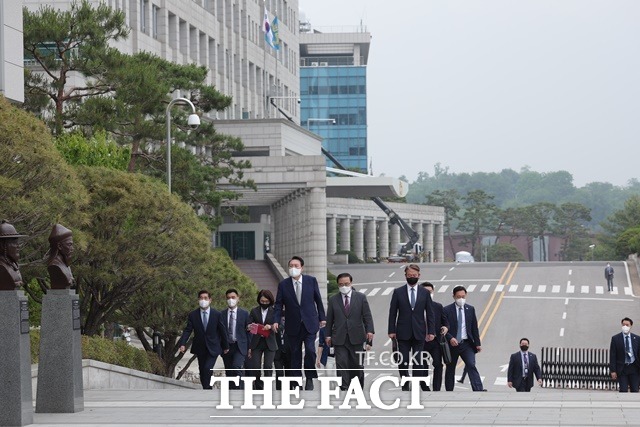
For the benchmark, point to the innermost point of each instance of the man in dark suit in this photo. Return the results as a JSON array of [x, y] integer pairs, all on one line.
[[349, 327], [464, 339], [608, 274], [411, 321], [433, 347], [522, 366], [623, 358], [304, 315], [209, 337], [236, 321]]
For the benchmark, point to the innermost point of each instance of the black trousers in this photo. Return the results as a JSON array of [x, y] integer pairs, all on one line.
[[629, 378], [434, 349]]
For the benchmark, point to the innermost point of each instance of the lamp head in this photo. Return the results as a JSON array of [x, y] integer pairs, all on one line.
[[194, 121]]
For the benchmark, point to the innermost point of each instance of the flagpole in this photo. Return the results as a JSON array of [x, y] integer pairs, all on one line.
[[264, 68]]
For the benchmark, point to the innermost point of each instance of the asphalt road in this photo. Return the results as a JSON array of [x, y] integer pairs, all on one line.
[[562, 304]]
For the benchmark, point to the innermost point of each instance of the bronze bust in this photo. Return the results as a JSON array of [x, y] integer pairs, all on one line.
[[10, 277], [60, 250]]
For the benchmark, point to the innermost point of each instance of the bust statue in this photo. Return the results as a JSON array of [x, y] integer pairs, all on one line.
[[10, 277], [60, 250]]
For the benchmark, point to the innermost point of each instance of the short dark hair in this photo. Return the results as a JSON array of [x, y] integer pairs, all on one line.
[[459, 288], [626, 318], [341, 275], [524, 339], [427, 285], [267, 294], [415, 267], [204, 291], [230, 290], [297, 258]]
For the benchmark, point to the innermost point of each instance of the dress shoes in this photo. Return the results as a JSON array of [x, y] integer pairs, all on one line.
[[460, 381], [309, 384]]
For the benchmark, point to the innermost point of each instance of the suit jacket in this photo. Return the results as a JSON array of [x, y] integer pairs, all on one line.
[[354, 325], [310, 310], [617, 351], [407, 323], [608, 272], [242, 324], [255, 316], [514, 372], [471, 322], [211, 341], [438, 314]]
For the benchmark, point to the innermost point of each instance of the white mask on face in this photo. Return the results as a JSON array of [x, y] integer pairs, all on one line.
[[295, 272], [231, 302], [626, 329], [344, 289], [460, 302], [204, 303]]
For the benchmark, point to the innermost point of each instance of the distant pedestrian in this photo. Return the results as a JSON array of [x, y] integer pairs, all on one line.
[[608, 274], [523, 365]]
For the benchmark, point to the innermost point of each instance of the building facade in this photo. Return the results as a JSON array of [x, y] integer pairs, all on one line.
[[333, 92], [11, 62]]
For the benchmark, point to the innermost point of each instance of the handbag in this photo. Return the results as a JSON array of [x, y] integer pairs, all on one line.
[[446, 351]]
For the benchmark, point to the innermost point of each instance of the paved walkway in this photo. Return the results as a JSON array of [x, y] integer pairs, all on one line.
[[541, 407]]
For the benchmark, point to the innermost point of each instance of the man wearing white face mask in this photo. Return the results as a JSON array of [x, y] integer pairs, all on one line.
[[464, 339], [623, 358], [349, 327], [304, 315], [236, 321], [209, 337]]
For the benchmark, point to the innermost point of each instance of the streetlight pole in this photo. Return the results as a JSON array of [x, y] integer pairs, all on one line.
[[592, 249], [193, 122]]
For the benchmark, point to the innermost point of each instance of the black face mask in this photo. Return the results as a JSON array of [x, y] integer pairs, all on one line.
[[265, 306], [524, 347], [412, 280]]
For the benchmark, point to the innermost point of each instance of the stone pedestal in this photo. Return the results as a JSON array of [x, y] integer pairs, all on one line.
[[16, 407], [60, 365]]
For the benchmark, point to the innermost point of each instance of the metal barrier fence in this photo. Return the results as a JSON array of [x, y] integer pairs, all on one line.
[[581, 368]]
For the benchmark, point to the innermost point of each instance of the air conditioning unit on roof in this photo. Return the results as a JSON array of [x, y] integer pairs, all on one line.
[[324, 64]]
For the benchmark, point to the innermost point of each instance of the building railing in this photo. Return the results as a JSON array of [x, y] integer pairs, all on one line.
[[328, 61], [576, 368]]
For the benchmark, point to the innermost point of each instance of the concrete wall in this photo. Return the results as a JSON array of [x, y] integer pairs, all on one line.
[[11, 54]]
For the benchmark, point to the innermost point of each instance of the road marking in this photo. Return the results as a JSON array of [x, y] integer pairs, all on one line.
[[485, 327], [564, 315], [443, 288], [555, 289], [570, 271], [584, 289], [513, 288], [392, 273], [566, 301], [542, 288], [387, 291], [471, 288], [387, 343], [628, 291], [499, 288], [384, 281], [374, 291], [362, 290], [500, 381], [451, 269], [443, 277], [570, 289], [600, 290], [485, 288], [561, 332], [493, 294], [614, 291], [527, 288]]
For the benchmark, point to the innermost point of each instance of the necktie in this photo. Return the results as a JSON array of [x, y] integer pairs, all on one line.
[[232, 326], [298, 291], [459, 334], [204, 319], [627, 359], [526, 364], [413, 298], [347, 306]]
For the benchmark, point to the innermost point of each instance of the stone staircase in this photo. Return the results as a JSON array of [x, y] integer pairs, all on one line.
[[260, 273]]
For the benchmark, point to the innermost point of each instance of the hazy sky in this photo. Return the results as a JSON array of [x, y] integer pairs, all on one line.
[[484, 85]]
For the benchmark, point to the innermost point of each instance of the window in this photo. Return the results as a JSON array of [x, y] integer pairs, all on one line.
[[155, 11]]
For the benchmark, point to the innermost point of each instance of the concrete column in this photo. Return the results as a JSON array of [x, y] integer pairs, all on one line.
[[316, 237], [332, 247], [358, 237], [394, 239], [15, 360], [428, 241], [383, 243], [345, 234], [371, 239], [439, 243]]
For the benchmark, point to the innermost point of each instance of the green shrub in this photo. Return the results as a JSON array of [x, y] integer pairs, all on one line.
[[332, 284], [352, 257]]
